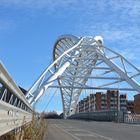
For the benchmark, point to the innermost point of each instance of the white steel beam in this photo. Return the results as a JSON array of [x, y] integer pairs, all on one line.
[[12, 114], [86, 56], [92, 87], [10, 84], [116, 68]]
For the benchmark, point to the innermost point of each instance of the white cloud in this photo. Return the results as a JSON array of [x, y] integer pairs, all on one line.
[[37, 3], [112, 33], [126, 7], [116, 20]]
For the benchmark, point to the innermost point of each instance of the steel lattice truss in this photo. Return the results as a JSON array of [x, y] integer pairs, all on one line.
[[78, 59]]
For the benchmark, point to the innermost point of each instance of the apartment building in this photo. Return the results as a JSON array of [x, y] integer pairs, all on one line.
[[81, 106], [112, 100], [130, 106], [92, 103], [123, 102], [103, 101], [86, 104], [137, 104], [98, 101]]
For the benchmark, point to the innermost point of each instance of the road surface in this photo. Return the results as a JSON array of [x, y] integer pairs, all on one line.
[[90, 130]]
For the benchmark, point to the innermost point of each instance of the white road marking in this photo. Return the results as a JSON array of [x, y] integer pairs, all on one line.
[[85, 135], [99, 135], [67, 132], [138, 125], [75, 129]]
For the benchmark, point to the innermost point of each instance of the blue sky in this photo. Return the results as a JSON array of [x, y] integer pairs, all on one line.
[[29, 28]]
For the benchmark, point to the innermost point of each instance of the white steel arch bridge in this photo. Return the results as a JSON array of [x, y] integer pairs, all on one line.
[[78, 59]]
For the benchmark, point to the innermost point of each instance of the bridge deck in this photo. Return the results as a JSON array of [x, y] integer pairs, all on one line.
[[84, 130]]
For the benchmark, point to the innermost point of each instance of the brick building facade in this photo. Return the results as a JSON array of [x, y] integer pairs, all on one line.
[[103, 101], [137, 104], [111, 100]]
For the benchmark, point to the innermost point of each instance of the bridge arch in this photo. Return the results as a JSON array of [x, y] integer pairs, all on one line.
[[75, 60]]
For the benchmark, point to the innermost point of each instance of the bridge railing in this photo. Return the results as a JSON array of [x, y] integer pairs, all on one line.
[[15, 110], [132, 118], [116, 116]]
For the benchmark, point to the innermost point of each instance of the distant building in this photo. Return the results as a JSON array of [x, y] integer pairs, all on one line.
[[81, 106], [103, 101], [98, 101], [86, 104], [92, 102], [123, 102], [130, 106], [112, 100], [137, 104]]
